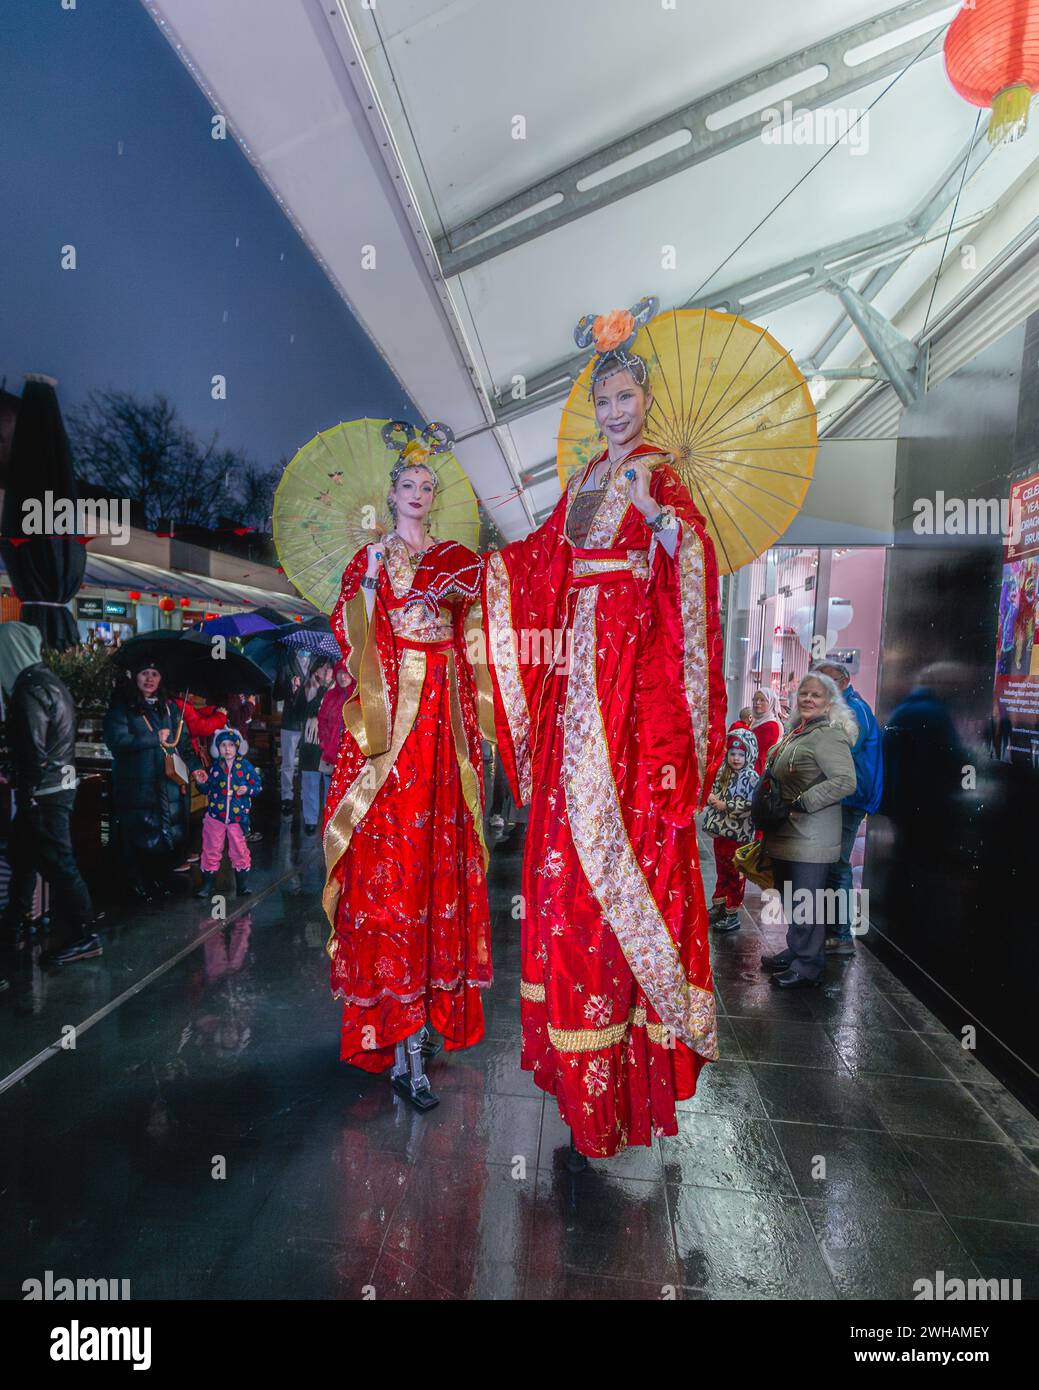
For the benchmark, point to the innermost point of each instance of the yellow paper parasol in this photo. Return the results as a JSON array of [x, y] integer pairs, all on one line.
[[332, 500], [735, 413]]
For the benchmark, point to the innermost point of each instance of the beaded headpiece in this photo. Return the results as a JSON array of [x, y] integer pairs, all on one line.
[[613, 335], [415, 448]]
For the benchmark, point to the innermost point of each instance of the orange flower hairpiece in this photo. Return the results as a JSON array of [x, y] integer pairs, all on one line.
[[610, 330], [617, 330]]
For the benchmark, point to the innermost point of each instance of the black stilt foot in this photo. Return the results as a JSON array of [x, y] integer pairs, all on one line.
[[575, 1161], [408, 1077], [422, 1098]]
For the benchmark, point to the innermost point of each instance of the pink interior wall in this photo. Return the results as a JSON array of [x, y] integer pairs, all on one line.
[[858, 576]]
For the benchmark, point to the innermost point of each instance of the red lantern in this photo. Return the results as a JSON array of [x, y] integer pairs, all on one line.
[[133, 594], [185, 603], [992, 59], [166, 605]]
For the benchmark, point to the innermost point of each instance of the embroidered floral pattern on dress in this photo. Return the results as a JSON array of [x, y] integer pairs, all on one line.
[[553, 865], [597, 1010], [608, 860], [597, 1075], [695, 655], [405, 885], [591, 936], [417, 626], [502, 652]]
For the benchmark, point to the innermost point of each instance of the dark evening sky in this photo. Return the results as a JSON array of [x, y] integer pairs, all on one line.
[[186, 267]]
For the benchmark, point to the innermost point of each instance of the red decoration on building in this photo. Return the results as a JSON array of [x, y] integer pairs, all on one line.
[[185, 603], [166, 605], [133, 594], [992, 59]]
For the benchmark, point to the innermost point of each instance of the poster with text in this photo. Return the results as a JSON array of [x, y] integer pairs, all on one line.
[[1017, 652]]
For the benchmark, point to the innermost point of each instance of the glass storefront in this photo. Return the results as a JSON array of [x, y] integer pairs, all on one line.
[[795, 604]]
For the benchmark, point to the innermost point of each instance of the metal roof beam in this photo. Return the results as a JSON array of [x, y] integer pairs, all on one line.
[[630, 164], [762, 294], [883, 250], [923, 218]]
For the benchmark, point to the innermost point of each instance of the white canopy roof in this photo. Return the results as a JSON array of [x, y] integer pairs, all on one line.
[[426, 130]]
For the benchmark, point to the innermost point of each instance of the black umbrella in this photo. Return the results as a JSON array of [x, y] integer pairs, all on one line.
[[194, 661], [273, 650], [45, 570]]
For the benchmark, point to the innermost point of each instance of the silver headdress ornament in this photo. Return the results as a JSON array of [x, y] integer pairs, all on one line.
[[415, 448], [613, 335]]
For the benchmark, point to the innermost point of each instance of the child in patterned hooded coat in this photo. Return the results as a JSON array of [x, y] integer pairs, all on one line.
[[231, 783], [727, 819]]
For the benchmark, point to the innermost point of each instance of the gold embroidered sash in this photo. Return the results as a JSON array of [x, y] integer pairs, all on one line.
[[361, 794]]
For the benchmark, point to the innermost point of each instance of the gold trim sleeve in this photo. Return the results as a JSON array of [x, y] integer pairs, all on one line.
[[474, 639], [501, 641], [470, 780], [608, 859], [369, 781]]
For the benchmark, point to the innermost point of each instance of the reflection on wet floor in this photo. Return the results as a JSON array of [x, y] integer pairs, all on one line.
[[203, 1141]]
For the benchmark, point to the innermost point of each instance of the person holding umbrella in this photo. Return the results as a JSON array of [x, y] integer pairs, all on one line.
[[151, 744], [314, 692], [612, 737], [152, 754]]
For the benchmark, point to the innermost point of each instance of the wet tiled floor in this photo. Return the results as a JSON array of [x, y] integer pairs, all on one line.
[[202, 1139]]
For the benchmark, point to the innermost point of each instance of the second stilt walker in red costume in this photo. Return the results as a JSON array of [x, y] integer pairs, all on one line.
[[611, 730], [405, 858]]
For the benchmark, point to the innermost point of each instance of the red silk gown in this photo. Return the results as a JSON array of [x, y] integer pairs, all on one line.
[[405, 859], [613, 748]]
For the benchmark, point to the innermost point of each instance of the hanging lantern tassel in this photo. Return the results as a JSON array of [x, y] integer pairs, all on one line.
[[1009, 119], [992, 59]]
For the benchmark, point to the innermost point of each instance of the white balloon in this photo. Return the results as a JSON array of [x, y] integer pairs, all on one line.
[[840, 614]]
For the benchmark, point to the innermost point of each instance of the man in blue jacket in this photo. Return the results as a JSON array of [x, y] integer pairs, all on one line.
[[863, 801]]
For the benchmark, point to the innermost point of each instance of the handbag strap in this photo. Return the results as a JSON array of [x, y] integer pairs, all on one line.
[[180, 730]]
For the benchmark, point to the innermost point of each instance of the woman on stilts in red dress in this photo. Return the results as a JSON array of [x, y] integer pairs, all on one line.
[[614, 748], [405, 857]]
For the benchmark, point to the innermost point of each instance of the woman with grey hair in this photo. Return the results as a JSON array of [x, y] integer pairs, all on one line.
[[813, 767]]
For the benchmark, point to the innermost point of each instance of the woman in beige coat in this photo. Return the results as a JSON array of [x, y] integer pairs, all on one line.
[[813, 766]]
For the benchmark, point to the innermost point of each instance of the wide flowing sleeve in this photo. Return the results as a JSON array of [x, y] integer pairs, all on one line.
[[366, 649], [349, 616], [523, 587], [690, 679]]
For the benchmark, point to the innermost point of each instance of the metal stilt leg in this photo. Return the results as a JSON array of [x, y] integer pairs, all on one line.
[[408, 1076]]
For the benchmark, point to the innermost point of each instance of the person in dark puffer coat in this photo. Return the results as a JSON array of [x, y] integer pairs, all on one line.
[[141, 726]]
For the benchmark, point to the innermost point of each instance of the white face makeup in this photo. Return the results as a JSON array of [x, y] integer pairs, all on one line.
[[414, 492], [621, 405]]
